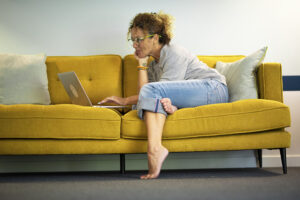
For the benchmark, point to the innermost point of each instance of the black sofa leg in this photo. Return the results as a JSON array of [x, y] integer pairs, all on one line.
[[259, 157], [283, 159], [122, 163]]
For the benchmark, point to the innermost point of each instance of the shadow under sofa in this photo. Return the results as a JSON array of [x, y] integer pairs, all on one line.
[[64, 128]]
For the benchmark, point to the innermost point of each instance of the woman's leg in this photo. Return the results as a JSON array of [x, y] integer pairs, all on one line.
[[192, 93], [157, 153], [182, 94]]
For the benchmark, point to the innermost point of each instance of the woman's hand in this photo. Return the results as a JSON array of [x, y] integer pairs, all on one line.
[[142, 61], [114, 99]]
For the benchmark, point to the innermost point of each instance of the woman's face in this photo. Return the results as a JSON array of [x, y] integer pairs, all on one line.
[[145, 46]]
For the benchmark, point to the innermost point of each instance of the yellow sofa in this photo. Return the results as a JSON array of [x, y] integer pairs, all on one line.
[[64, 128]]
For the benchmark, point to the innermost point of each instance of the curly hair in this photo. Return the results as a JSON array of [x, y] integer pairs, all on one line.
[[154, 23]]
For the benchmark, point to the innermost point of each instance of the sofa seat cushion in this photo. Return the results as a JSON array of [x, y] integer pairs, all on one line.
[[63, 121], [244, 116]]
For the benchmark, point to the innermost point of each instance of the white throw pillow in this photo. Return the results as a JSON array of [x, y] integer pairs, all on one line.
[[240, 75], [23, 79]]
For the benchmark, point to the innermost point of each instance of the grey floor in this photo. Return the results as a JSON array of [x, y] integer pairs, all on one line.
[[229, 184]]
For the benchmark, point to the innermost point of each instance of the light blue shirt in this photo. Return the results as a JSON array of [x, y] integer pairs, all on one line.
[[177, 63]]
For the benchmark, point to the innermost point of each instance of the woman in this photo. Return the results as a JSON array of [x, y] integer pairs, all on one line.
[[175, 79]]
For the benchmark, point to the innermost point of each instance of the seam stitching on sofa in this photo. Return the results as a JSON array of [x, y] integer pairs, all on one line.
[[220, 115], [212, 135]]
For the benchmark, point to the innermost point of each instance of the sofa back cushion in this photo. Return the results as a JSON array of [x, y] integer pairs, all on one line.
[[131, 75], [100, 76], [212, 60]]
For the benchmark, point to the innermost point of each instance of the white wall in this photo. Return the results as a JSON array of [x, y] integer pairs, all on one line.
[[85, 27], [207, 27]]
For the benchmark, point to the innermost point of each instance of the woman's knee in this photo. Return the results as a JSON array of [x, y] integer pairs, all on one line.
[[144, 90], [219, 94], [148, 90]]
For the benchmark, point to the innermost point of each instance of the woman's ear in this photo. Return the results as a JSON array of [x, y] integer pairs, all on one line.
[[156, 37]]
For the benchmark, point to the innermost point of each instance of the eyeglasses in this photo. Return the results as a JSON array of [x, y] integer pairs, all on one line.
[[138, 40]]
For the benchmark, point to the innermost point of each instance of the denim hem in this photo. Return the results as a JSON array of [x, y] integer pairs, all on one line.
[[150, 104]]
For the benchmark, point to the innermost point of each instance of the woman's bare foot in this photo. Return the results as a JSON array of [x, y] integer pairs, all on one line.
[[155, 161], [167, 104]]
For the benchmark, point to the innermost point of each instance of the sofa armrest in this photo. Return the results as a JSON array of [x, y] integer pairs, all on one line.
[[269, 81]]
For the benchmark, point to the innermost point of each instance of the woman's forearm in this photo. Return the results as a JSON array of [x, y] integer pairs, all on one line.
[[131, 100], [142, 79], [142, 73]]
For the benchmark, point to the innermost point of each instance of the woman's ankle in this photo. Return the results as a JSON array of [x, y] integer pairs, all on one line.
[[155, 148]]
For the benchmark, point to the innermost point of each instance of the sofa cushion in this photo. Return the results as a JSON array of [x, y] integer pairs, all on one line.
[[241, 75], [59, 122], [211, 61], [244, 116], [100, 76], [23, 79]]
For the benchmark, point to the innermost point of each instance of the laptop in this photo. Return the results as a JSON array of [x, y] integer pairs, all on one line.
[[76, 92]]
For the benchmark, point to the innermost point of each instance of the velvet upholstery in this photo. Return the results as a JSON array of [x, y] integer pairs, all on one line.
[[63, 128]]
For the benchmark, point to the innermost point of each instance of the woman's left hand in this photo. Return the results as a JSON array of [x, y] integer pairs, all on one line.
[[114, 99], [142, 61]]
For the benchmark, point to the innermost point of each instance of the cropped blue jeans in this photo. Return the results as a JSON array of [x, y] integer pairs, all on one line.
[[183, 94]]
